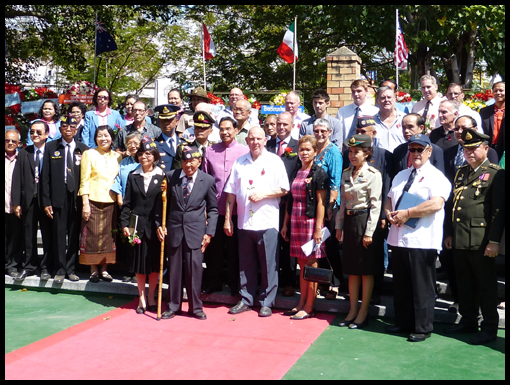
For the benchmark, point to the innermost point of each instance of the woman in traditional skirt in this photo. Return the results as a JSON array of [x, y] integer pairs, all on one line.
[[99, 167], [355, 224], [305, 212], [143, 190]]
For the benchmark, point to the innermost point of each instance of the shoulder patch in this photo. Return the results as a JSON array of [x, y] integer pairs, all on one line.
[[373, 169], [347, 169], [495, 166]]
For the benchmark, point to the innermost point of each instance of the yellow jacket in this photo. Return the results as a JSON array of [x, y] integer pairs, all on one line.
[[98, 172]]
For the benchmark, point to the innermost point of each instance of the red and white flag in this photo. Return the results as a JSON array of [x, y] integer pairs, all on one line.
[[286, 50], [207, 43], [401, 51]]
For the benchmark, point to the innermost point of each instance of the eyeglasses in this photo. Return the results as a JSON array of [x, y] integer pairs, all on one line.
[[419, 150], [8, 141], [103, 98], [145, 155], [138, 111], [239, 110], [38, 133]]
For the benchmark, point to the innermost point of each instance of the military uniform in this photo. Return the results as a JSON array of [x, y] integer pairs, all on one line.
[[477, 220], [167, 146]]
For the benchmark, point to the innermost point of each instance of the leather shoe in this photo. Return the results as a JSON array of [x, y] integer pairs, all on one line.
[[22, 276], [265, 311], [73, 277], [345, 323], [418, 337], [140, 310], [301, 315], [291, 312], [200, 315], [45, 276], [169, 314], [59, 279], [361, 325], [396, 330], [13, 273], [461, 329], [483, 338], [239, 308]]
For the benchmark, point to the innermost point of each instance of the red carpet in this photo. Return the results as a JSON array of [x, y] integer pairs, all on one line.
[[136, 347]]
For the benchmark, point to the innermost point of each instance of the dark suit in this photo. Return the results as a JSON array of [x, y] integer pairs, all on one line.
[[478, 218], [487, 115], [26, 193], [66, 206], [141, 203], [187, 225], [167, 153], [292, 165], [400, 158]]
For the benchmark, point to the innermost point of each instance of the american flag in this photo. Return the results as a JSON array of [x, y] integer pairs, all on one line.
[[401, 51]]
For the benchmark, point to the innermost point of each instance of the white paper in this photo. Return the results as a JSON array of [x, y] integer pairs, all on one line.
[[309, 247]]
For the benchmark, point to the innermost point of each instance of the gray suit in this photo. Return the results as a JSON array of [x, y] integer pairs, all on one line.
[[187, 225]]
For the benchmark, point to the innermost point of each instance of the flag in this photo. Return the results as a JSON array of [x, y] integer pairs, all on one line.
[[104, 41], [207, 43], [285, 50], [401, 51]]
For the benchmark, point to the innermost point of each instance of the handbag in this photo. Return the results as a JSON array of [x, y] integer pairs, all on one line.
[[317, 274]]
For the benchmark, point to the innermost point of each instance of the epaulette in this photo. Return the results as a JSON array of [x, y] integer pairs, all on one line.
[[373, 169], [347, 169], [188, 141], [495, 166]]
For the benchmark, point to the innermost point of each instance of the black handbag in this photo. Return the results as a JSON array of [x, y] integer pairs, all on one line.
[[317, 274]]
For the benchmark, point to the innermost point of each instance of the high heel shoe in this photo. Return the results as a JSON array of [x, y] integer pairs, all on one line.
[[291, 312], [306, 315], [140, 310], [345, 323], [360, 325]]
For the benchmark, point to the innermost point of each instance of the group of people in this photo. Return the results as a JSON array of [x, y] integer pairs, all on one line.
[[226, 191]]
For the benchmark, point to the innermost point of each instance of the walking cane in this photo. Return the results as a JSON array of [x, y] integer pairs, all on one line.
[[162, 253]]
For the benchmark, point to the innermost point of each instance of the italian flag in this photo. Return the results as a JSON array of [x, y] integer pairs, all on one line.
[[285, 50]]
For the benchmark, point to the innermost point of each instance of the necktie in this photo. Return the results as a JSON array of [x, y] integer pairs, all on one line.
[[354, 124], [407, 186], [37, 166], [459, 159], [171, 146], [426, 111], [70, 174], [280, 148], [186, 189]]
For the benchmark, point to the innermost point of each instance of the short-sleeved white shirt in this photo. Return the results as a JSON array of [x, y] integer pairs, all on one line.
[[247, 177], [429, 182]]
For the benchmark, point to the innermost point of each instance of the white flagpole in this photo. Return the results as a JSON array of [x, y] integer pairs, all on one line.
[[294, 53], [95, 47], [396, 47], [203, 56]]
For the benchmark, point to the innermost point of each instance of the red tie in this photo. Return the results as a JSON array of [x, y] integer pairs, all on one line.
[[280, 148]]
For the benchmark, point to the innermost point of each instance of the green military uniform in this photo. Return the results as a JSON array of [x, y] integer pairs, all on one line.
[[477, 219]]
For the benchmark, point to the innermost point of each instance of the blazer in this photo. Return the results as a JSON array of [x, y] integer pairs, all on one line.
[[189, 221], [53, 184], [141, 203], [400, 158], [23, 179], [451, 154], [292, 163], [115, 121], [166, 153], [487, 115]]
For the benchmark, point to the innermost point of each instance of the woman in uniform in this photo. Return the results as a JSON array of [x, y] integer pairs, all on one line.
[[358, 215]]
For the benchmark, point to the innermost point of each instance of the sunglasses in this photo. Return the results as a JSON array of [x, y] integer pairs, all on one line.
[[419, 150]]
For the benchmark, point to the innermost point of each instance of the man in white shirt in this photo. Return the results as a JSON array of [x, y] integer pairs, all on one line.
[[455, 93], [348, 115], [292, 104], [428, 107], [414, 249], [257, 181], [388, 122], [236, 94]]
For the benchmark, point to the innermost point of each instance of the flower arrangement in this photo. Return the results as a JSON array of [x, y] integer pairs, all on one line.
[[479, 100], [82, 87], [215, 99], [403, 97], [430, 124], [132, 239], [39, 93], [278, 100], [253, 101]]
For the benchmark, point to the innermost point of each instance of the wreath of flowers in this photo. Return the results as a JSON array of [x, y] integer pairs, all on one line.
[[479, 100], [217, 101], [82, 87], [403, 97]]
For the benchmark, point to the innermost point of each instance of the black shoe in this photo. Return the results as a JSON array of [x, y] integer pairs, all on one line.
[[265, 311], [140, 310], [94, 277], [73, 277], [483, 338], [418, 337], [45, 275], [169, 314], [345, 323], [291, 312], [200, 315], [239, 308], [361, 325], [461, 329], [21, 276], [59, 278], [152, 308]]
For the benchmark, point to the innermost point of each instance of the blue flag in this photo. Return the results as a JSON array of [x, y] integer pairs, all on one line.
[[104, 41]]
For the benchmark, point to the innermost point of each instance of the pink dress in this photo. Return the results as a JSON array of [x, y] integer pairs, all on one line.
[[302, 227]]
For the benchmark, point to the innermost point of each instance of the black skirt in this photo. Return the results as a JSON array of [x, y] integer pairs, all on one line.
[[146, 257], [356, 259]]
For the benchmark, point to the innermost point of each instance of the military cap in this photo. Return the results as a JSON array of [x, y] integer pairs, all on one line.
[[420, 139], [68, 120], [191, 153], [473, 138], [202, 119], [363, 141], [167, 111], [200, 92], [365, 121]]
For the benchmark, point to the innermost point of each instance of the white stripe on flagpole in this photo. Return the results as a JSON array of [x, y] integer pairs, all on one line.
[[396, 47]]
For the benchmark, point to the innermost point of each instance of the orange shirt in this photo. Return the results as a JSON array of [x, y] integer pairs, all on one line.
[[498, 119]]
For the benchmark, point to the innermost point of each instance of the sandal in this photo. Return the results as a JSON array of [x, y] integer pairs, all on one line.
[[106, 277], [94, 277]]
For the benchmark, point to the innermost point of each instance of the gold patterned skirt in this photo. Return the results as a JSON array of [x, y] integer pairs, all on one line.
[[97, 244]]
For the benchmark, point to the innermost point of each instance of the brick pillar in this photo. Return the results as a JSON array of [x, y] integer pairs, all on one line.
[[344, 66]]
